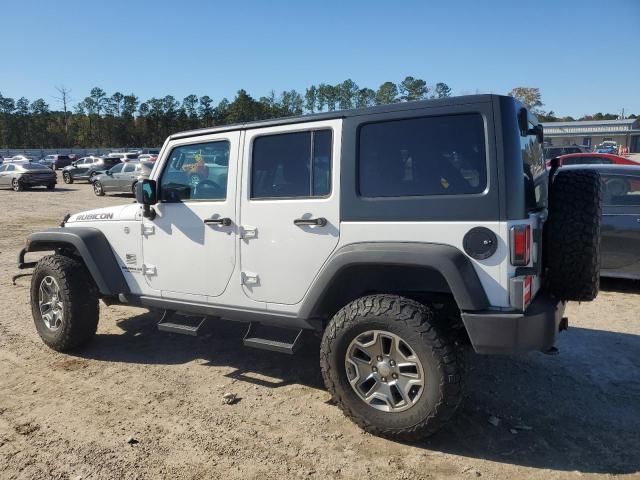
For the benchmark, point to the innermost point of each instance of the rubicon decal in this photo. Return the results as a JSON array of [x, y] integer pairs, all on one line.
[[94, 216]]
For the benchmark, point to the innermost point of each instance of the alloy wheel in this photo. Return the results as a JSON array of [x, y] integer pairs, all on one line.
[[384, 371], [50, 303]]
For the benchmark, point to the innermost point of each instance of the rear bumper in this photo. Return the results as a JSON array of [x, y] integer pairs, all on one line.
[[498, 332], [31, 182]]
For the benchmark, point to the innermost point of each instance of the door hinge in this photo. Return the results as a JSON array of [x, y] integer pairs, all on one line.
[[249, 278], [148, 270], [247, 231], [148, 229]]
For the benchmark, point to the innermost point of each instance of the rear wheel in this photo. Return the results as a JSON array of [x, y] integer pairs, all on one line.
[[98, 189], [133, 188], [64, 302], [572, 235], [93, 176], [66, 176], [17, 186], [389, 369]]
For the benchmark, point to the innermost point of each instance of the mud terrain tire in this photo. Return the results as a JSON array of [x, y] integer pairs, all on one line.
[[572, 235], [439, 358], [76, 296]]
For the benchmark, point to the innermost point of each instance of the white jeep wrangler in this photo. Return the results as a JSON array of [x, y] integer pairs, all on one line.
[[399, 233]]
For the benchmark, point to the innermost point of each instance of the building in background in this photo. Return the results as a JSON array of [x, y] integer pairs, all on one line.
[[626, 133]]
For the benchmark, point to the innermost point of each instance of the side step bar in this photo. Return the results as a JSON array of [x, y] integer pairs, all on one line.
[[186, 328], [281, 340]]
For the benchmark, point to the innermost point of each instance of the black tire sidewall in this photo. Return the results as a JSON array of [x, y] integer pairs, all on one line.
[[80, 303], [393, 421], [50, 337]]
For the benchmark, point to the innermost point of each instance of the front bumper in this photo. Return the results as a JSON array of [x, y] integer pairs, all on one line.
[[496, 332]]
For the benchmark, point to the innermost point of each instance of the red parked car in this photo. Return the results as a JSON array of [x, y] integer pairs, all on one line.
[[593, 159]]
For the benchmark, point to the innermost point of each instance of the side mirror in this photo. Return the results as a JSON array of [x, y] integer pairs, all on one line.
[[538, 132], [146, 195]]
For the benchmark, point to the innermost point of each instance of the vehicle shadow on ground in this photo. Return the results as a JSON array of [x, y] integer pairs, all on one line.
[[578, 411], [620, 285], [44, 190]]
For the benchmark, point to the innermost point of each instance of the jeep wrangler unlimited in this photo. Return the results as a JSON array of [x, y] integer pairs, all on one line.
[[398, 233]]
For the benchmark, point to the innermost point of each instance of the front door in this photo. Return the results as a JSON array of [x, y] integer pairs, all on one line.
[[289, 208], [189, 247]]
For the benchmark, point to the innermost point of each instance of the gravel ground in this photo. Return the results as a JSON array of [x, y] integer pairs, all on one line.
[[139, 403]]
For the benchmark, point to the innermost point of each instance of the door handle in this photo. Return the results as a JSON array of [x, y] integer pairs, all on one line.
[[225, 222], [320, 221]]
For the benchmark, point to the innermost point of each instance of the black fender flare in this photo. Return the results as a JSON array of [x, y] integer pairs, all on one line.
[[454, 266], [94, 249]]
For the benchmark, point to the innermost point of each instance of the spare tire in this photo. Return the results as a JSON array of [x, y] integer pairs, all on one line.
[[572, 235]]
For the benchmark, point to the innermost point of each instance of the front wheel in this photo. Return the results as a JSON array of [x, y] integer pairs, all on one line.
[[64, 302], [389, 369], [66, 176], [17, 185], [98, 189]]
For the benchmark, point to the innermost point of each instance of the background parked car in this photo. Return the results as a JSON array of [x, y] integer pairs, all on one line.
[[553, 152], [147, 157], [17, 159], [122, 178], [607, 147], [124, 157], [87, 168], [56, 162], [594, 159], [620, 234], [19, 176]]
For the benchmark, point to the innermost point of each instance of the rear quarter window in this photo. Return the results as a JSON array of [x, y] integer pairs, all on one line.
[[439, 155]]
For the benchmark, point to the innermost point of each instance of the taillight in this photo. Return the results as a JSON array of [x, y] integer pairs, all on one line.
[[520, 245]]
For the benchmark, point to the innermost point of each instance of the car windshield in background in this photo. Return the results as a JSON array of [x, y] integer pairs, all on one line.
[[33, 166], [147, 165]]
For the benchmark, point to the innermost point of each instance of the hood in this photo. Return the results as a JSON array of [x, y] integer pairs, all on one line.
[[108, 214]]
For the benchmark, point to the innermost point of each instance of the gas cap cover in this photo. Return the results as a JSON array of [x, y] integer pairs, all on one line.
[[480, 243]]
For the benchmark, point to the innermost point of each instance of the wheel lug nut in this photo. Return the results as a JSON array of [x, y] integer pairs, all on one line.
[[392, 363], [379, 358], [384, 379], [375, 369], [394, 375]]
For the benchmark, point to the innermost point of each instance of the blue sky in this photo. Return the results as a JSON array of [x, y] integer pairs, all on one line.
[[583, 55]]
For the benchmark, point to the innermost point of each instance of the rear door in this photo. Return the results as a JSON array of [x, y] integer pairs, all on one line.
[[289, 208], [3, 174]]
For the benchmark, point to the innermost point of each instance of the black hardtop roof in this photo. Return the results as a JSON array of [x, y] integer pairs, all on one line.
[[392, 107]]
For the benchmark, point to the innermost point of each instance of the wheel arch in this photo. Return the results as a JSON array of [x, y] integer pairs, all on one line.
[[92, 247], [388, 267]]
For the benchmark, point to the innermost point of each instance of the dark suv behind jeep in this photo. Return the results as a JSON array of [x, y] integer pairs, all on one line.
[[88, 168]]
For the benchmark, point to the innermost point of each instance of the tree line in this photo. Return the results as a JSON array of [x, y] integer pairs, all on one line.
[[120, 120]]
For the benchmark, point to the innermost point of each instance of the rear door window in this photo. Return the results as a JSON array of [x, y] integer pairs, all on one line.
[[292, 165], [440, 155]]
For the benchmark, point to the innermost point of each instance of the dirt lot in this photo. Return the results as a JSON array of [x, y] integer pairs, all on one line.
[[70, 416]]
